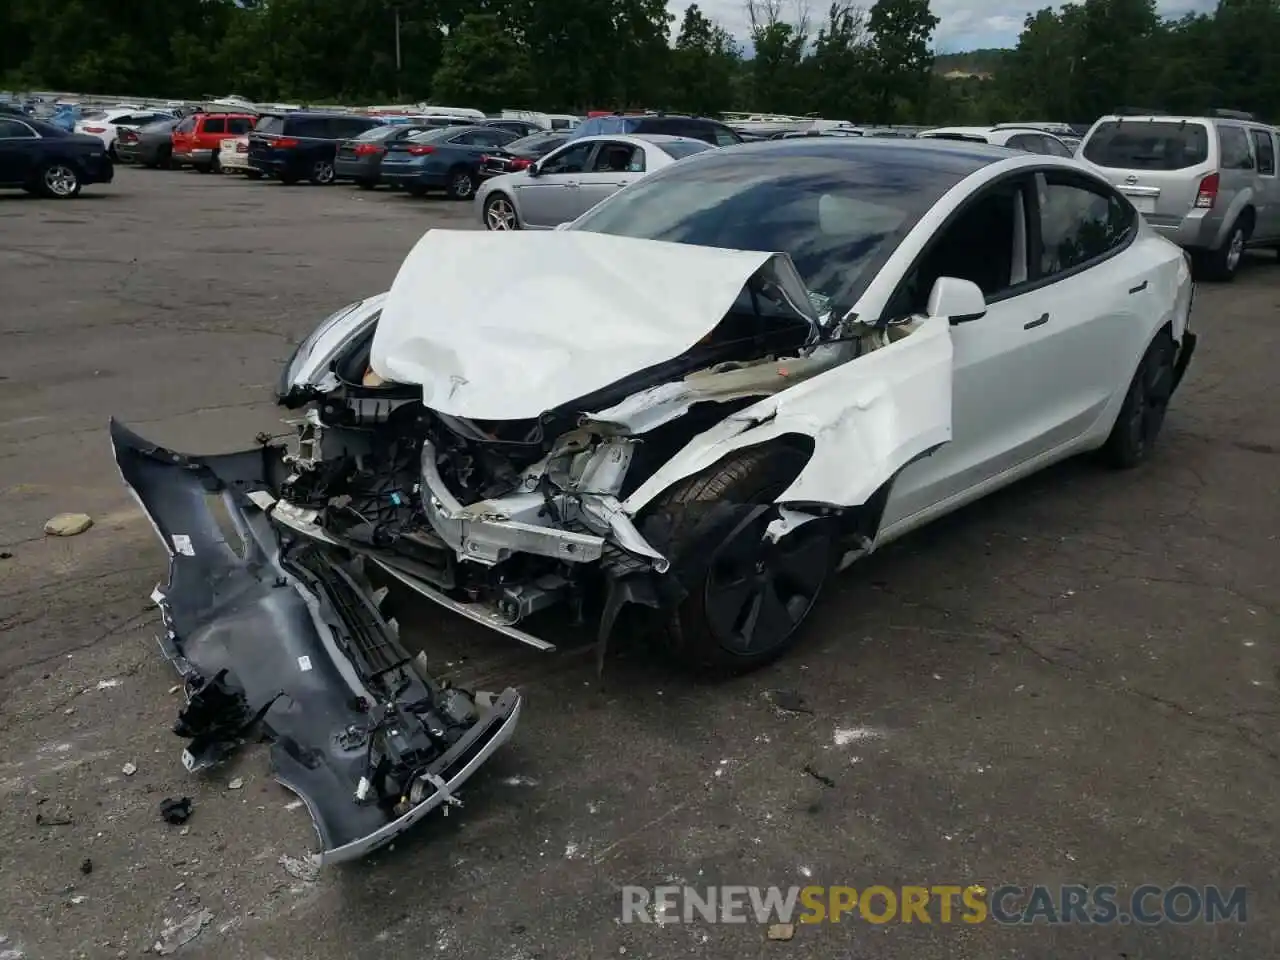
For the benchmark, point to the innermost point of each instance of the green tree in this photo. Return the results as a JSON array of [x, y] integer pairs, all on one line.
[[901, 60], [483, 65], [1115, 55], [837, 67], [703, 65], [777, 79]]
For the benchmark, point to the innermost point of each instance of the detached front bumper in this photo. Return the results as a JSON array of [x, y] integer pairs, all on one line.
[[275, 634]]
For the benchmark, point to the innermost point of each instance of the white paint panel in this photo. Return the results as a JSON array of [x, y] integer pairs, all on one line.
[[503, 326]]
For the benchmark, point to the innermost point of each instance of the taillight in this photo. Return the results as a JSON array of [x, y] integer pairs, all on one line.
[[421, 149], [520, 163], [1208, 192], [95, 129], [368, 150], [286, 143]]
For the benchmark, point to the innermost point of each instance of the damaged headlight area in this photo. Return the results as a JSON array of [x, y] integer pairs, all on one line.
[[278, 634]]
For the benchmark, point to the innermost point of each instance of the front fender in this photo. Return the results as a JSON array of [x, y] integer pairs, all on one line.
[[868, 418]]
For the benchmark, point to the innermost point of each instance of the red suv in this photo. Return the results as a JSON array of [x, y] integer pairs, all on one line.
[[197, 139]]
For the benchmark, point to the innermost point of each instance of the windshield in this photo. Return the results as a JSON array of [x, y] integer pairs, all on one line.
[[684, 148], [838, 216], [1148, 144]]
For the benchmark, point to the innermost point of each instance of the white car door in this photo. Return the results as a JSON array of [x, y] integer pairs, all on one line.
[[1035, 373], [543, 198], [1002, 403]]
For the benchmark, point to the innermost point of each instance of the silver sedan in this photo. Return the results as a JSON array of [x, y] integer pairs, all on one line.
[[572, 179]]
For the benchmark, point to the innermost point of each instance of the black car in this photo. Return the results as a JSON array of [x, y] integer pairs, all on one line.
[[151, 145], [521, 128], [303, 145], [42, 158], [521, 154], [360, 158]]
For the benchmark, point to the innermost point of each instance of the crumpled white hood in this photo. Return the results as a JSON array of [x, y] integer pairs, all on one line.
[[503, 326]]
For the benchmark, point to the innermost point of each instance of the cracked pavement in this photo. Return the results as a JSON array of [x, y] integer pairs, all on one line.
[[1074, 681]]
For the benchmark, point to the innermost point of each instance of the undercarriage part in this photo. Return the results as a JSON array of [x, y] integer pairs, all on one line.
[[282, 636]]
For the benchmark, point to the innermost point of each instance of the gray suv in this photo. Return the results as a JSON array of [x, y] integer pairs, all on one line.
[[1206, 183]]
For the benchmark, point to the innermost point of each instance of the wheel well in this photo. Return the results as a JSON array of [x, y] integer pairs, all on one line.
[[799, 442], [1248, 219]]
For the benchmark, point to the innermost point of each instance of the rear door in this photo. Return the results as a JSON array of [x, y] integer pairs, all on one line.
[[212, 132], [615, 164], [1157, 164], [1268, 199]]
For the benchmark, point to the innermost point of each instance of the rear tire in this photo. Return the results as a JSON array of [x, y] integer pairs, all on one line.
[[1223, 264], [1142, 413], [747, 599], [462, 185], [322, 173]]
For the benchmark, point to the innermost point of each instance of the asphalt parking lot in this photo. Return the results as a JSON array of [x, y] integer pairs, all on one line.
[[1074, 681]]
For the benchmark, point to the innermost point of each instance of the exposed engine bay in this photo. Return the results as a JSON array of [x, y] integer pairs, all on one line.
[[511, 517]]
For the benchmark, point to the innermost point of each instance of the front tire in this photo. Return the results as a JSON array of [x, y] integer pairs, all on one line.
[[500, 213], [747, 598], [1142, 413]]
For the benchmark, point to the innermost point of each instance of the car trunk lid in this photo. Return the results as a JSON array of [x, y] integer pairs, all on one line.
[[1158, 164]]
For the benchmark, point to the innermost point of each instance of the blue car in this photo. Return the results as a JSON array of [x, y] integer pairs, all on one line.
[[447, 160]]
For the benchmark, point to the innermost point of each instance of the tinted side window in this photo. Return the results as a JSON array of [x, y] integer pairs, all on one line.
[[12, 129], [239, 125], [1235, 149], [1057, 148], [186, 126], [215, 124], [1265, 147], [570, 160], [344, 127], [1078, 223], [1025, 141], [618, 158], [306, 126]]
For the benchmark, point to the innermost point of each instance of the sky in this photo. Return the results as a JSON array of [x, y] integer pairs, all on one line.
[[966, 24]]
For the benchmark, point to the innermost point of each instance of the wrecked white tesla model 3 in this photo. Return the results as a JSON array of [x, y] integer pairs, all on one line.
[[700, 399]]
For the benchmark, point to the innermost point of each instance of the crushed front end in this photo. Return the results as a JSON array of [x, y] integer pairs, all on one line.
[[281, 635]]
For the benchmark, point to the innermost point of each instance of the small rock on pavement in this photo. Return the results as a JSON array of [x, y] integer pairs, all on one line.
[[68, 524], [300, 868], [129, 769], [782, 931], [176, 935], [236, 784]]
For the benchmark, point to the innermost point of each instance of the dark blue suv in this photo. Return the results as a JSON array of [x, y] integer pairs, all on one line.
[[302, 145], [697, 128]]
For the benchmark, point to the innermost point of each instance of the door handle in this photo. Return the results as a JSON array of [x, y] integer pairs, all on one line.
[[1032, 324], [1139, 288], [572, 183]]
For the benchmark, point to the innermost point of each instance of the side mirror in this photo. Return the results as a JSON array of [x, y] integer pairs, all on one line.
[[534, 169], [958, 300]]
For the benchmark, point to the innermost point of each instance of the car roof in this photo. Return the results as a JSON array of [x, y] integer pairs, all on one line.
[[959, 131], [949, 158]]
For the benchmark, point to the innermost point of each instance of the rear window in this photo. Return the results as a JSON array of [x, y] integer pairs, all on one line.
[[269, 125], [380, 133], [1148, 144], [684, 148]]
